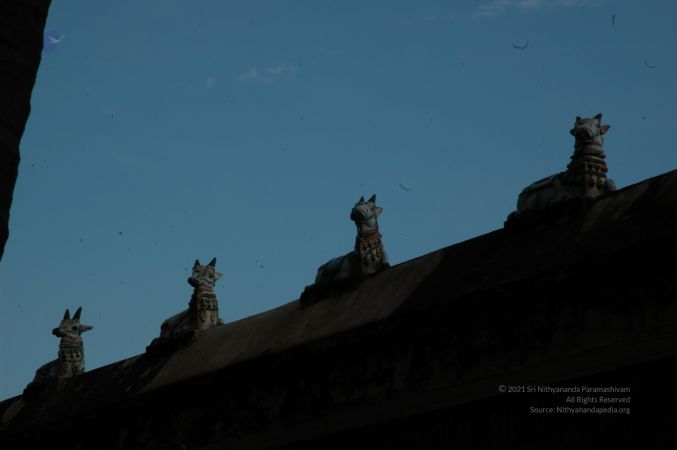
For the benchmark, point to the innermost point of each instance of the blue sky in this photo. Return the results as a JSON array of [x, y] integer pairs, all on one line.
[[164, 131]]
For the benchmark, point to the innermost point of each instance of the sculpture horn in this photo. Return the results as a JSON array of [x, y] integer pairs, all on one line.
[[213, 262], [76, 316], [67, 315]]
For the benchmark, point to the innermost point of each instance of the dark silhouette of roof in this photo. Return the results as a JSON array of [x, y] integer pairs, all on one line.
[[580, 293]]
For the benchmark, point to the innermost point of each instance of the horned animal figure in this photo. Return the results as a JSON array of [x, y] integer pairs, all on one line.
[[368, 256], [203, 308], [71, 360], [585, 176]]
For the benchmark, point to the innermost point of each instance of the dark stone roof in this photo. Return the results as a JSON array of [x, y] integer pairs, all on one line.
[[571, 291]]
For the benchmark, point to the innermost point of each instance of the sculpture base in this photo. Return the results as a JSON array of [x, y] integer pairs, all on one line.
[[317, 292], [162, 346], [558, 213]]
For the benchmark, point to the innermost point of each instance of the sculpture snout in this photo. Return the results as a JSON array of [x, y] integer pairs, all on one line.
[[358, 216], [583, 133], [195, 282]]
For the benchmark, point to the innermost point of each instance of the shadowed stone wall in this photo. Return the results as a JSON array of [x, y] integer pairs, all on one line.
[[22, 24]]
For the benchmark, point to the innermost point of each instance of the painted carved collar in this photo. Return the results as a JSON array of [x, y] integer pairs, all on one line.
[[365, 231]]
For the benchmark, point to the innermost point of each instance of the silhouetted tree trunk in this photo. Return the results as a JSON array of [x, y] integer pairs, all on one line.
[[22, 24]]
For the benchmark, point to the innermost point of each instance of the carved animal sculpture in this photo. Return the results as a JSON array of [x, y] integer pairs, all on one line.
[[71, 360], [203, 308], [585, 176], [368, 256]]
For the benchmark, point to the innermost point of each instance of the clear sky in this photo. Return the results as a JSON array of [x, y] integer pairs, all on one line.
[[164, 131]]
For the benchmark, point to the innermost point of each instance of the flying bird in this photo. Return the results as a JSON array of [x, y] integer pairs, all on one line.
[[522, 47], [613, 20], [404, 187], [53, 40], [648, 65]]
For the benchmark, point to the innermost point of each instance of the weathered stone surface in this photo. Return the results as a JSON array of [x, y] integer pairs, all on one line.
[[585, 177], [22, 26], [367, 258], [71, 357], [414, 355], [202, 312]]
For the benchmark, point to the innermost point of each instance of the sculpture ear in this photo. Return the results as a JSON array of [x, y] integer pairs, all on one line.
[[197, 263], [66, 315], [578, 118], [76, 316], [217, 275], [379, 210], [213, 262], [604, 128], [372, 198], [598, 117], [361, 200], [84, 328]]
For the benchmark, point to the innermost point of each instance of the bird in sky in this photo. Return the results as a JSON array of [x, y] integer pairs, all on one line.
[[648, 65], [404, 187], [53, 40], [613, 20], [520, 47]]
